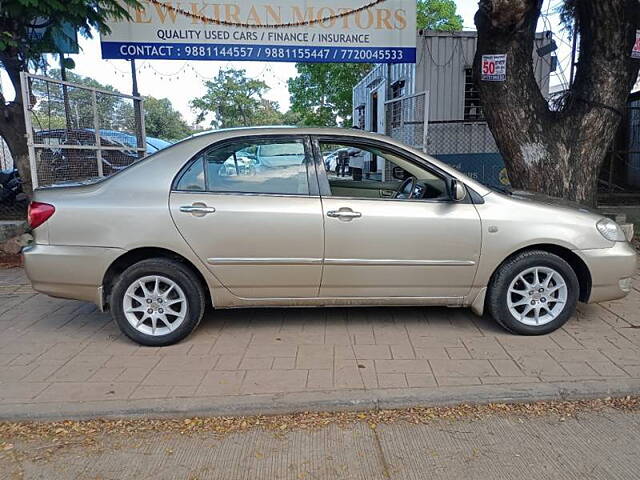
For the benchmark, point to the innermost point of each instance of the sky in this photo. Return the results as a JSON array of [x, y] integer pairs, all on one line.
[[181, 81]]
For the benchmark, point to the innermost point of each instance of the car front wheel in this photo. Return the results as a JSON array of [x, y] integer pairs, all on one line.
[[533, 293], [157, 302]]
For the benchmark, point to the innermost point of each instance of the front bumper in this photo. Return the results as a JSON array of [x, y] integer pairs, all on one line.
[[69, 271], [611, 271]]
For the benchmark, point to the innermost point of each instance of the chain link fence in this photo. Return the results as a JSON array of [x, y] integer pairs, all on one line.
[[6, 161], [619, 180], [77, 133], [466, 145], [406, 119]]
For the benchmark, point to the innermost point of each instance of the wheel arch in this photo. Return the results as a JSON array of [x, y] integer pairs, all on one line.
[[575, 262], [131, 257]]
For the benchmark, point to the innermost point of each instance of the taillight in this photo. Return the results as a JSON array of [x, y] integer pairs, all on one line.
[[39, 213]]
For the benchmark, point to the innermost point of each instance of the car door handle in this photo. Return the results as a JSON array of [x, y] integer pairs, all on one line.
[[343, 214], [199, 209]]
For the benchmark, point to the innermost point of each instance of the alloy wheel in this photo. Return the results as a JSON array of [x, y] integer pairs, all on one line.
[[537, 295], [155, 305]]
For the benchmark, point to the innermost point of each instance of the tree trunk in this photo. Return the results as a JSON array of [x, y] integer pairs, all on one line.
[[559, 153], [12, 123]]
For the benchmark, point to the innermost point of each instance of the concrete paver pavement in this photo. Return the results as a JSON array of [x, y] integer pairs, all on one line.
[[61, 358]]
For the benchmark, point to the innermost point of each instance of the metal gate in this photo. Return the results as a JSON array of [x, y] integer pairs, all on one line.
[[77, 133], [407, 119]]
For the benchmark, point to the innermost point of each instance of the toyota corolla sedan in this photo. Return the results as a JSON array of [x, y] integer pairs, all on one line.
[[173, 234]]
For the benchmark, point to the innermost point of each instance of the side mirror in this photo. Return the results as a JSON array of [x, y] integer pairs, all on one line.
[[398, 173], [458, 191]]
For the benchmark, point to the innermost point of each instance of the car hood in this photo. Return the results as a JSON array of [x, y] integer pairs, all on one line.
[[543, 199]]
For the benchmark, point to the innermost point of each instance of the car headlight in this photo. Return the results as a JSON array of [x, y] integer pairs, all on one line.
[[611, 230]]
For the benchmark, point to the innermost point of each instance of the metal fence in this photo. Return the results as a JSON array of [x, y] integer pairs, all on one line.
[[78, 133], [406, 119], [6, 161], [460, 137], [466, 145], [620, 175]]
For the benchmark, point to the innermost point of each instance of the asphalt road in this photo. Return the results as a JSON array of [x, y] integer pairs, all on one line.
[[585, 445]]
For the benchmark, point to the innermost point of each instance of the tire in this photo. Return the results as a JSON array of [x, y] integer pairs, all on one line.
[[554, 302], [181, 306]]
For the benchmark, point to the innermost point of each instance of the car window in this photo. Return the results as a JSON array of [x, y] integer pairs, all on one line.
[[262, 166], [193, 178], [361, 171]]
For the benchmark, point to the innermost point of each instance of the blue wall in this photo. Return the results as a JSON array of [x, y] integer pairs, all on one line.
[[487, 168]]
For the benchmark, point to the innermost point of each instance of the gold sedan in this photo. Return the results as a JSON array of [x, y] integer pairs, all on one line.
[[262, 217]]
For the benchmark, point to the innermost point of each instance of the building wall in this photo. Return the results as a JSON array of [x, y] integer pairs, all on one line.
[[378, 80], [441, 60]]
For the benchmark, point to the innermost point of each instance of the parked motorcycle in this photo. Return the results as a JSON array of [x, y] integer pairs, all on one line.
[[11, 194]]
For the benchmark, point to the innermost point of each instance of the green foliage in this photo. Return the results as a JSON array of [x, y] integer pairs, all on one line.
[[18, 16], [113, 112], [438, 15], [236, 101], [322, 91], [321, 94], [568, 16], [161, 120]]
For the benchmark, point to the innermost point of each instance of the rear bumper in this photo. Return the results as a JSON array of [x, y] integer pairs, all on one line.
[[611, 271], [69, 271]]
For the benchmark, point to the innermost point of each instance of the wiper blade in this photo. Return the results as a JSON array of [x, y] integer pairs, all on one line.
[[505, 190]]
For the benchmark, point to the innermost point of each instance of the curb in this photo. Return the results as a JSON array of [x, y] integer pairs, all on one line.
[[344, 400]]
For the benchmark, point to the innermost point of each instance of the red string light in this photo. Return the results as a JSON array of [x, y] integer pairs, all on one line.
[[225, 23]]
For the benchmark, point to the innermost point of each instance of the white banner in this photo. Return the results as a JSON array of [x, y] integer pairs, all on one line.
[[378, 31], [494, 68]]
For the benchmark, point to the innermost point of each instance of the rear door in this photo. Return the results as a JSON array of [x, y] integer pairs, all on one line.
[[259, 230]]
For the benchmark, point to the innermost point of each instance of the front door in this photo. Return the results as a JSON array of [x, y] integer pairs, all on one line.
[[380, 243], [250, 210]]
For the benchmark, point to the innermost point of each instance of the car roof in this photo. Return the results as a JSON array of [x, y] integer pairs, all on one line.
[[202, 139], [285, 129]]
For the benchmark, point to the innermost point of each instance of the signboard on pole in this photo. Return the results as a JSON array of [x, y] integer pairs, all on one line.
[[636, 46], [494, 68], [378, 31], [63, 37]]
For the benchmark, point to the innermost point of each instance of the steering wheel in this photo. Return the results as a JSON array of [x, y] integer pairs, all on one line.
[[406, 188]]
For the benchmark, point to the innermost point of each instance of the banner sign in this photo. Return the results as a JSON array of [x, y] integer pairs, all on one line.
[[494, 68], [350, 31], [636, 47]]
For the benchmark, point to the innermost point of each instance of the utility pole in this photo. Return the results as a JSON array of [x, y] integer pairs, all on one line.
[[137, 109], [65, 94], [574, 50]]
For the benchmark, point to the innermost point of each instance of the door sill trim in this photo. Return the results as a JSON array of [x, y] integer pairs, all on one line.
[[394, 262], [240, 302]]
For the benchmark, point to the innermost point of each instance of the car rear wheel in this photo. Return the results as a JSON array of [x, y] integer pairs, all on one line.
[[533, 293], [157, 302]]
